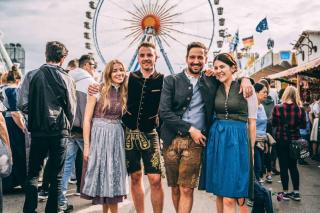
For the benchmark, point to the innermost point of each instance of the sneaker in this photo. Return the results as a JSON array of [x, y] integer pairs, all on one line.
[[72, 181], [269, 179], [77, 193], [294, 196], [261, 180], [43, 194], [250, 203], [65, 208], [285, 196]]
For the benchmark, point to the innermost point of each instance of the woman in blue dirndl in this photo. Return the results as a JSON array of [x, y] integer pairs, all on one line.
[[228, 156]]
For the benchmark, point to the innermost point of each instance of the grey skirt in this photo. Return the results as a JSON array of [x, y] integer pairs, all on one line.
[[106, 174]]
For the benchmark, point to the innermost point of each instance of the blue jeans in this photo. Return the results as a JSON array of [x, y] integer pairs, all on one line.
[[72, 148], [258, 162]]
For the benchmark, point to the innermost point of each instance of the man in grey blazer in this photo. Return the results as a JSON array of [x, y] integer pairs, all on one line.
[[186, 106]]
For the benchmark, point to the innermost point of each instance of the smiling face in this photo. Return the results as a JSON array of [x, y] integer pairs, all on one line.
[[223, 71], [117, 74], [147, 58], [196, 59]]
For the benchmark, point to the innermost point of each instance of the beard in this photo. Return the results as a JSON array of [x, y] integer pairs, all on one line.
[[195, 72]]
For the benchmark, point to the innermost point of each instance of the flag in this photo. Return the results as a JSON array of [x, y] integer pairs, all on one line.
[[248, 42], [262, 26], [235, 41]]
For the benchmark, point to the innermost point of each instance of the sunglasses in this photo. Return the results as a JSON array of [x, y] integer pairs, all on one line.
[[93, 64]]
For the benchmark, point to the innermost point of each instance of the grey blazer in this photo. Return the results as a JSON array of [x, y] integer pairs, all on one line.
[[176, 97]]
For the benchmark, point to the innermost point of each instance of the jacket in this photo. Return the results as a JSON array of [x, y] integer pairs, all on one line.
[[143, 101], [23, 91], [175, 99], [51, 102]]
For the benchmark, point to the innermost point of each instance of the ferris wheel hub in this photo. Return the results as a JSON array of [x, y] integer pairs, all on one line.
[[152, 21]]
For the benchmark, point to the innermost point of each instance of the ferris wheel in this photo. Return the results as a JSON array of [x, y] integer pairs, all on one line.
[[117, 27]]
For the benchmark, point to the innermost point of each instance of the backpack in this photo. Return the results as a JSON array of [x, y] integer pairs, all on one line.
[[262, 199]]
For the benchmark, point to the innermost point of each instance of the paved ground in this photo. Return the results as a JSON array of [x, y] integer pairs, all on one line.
[[203, 203]]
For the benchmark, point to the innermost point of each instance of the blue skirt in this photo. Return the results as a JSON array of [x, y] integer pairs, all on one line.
[[227, 164]]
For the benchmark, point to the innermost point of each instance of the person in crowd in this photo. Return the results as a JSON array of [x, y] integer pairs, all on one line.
[[83, 78], [272, 90], [281, 91], [268, 104], [141, 120], [3, 84], [305, 133], [52, 95], [16, 129], [288, 117], [105, 179], [261, 146], [44, 189], [229, 150], [4, 136], [314, 118], [72, 64]]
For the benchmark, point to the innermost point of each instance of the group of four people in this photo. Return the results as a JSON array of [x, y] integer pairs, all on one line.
[[204, 118]]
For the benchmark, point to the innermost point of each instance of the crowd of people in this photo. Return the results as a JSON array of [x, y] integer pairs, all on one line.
[[106, 130]]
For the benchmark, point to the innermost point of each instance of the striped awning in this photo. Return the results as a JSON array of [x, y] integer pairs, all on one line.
[[314, 64]]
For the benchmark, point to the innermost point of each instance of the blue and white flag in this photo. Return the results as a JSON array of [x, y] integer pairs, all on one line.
[[262, 26], [235, 41]]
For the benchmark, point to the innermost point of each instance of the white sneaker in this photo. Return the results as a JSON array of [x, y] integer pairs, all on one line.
[[269, 179]]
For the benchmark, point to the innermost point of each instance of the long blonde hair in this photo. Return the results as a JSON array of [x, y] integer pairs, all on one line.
[[107, 85], [291, 94]]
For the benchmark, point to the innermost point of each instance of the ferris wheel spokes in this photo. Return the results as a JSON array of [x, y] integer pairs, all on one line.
[[150, 36], [170, 23]]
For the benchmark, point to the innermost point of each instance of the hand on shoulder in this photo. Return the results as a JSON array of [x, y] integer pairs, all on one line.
[[93, 89]]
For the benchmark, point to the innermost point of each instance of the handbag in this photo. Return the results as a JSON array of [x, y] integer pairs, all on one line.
[[5, 160], [303, 151], [298, 149]]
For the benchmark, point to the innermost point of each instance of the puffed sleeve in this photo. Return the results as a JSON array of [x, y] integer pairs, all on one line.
[[252, 105]]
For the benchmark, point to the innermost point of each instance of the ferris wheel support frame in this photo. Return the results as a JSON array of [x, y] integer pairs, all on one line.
[[149, 34], [94, 33], [164, 54]]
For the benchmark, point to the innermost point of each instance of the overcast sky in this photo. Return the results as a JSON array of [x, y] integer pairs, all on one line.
[[34, 22]]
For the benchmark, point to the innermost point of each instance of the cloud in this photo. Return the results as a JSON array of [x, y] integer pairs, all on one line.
[[33, 26], [34, 22]]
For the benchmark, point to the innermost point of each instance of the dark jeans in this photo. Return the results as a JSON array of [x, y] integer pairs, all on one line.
[[258, 162], [40, 147], [267, 161], [273, 158], [287, 163], [79, 160], [46, 176]]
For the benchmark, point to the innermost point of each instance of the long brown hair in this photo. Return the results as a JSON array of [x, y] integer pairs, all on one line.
[[107, 84]]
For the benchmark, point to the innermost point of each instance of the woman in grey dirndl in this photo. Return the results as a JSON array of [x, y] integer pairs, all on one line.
[[105, 178]]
